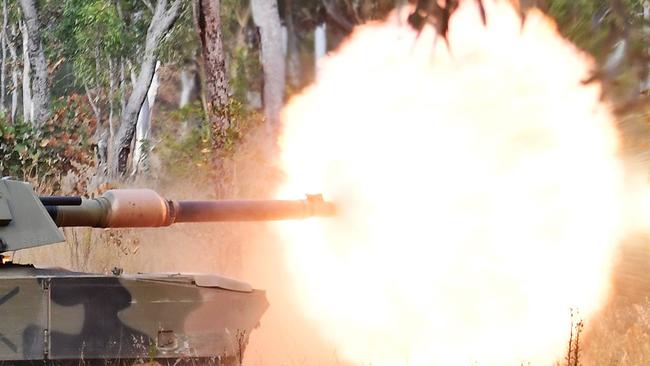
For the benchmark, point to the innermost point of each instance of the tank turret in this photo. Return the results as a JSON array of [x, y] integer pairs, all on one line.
[[62, 316]]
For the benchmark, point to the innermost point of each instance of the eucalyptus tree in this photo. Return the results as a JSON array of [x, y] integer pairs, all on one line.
[[40, 99], [3, 62], [207, 15], [163, 17], [9, 36], [180, 50], [293, 69], [267, 18], [106, 41], [96, 40], [28, 101], [176, 50]]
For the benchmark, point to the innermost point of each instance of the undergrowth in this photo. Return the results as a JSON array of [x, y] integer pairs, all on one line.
[[43, 155]]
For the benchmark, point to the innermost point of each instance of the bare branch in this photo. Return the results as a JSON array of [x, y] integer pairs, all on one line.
[[93, 104], [119, 10], [338, 18], [243, 17], [55, 66], [148, 4], [352, 9]]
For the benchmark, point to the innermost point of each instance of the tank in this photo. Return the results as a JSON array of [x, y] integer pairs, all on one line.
[[57, 316]]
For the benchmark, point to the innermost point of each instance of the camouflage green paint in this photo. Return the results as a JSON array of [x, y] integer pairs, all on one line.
[[62, 315]]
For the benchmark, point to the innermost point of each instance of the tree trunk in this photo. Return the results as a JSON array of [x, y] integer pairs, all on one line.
[[320, 45], [102, 139], [101, 134], [3, 66], [28, 106], [215, 83], [14, 75], [266, 17], [188, 82], [645, 72], [94, 105], [41, 97], [122, 88], [294, 72], [161, 22], [143, 128], [111, 94]]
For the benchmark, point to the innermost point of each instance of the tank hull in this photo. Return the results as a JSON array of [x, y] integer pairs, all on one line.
[[60, 316]]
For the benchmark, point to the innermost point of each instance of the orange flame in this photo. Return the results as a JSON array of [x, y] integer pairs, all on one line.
[[479, 187]]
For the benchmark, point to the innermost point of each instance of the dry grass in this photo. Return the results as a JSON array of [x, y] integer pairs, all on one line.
[[620, 334]]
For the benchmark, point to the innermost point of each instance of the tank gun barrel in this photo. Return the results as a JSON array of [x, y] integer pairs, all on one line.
[[27, 220], [60, 200], [146, 208]]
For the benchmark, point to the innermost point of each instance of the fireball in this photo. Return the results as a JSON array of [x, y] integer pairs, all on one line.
[[479, 190]]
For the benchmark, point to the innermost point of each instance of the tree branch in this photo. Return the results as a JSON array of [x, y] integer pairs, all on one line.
[[338, 18], [244, 17], [93, 104], [148, 4], [161, 22]]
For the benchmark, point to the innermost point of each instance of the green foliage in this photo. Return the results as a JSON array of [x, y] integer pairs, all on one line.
[[575, 17], [239, 120], [245, 71], [231, 13], [44, 154], [181, 43], [244, 68], [92, 31], [182, 157], [595, 25], [97, 31], [189, 155]]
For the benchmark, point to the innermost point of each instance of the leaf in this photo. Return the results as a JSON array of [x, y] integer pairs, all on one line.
[[21, 149]]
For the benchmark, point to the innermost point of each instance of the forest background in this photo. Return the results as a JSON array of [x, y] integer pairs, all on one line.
[[185, 97]]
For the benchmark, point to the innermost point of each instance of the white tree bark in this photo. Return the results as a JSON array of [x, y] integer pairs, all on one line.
[[14, 75], [294, 72], [41, 94], [645, 84], [646, 16], [94, 105], [188, 80], [122, 88], [3, 65], [615, 58], [143, 128], [163, 19], [320, 44], [111, 94], [102, 139], [266, 17], [283, 31], [28, 106]]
